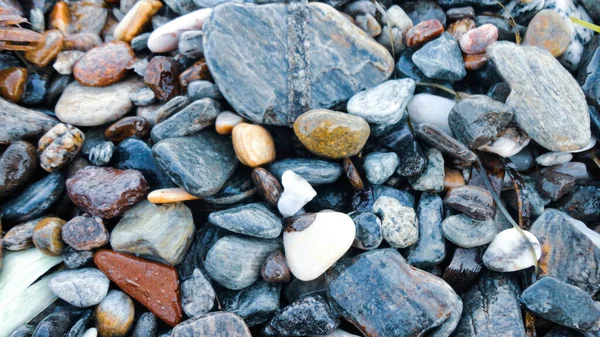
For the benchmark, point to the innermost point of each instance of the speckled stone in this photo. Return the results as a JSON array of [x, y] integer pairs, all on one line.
[[104, 65], [47, 236], [399, 224], [430, 249], [307, 316], [85, 233], [215, 324], [82, 287], [369, 233], [65, 60], [17, 165], [59, 146], [548, 30], [146, 326], [197, 294], [432, 177], [401, 141]]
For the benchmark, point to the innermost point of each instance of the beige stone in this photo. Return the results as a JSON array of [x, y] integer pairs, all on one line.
[[253, 144]]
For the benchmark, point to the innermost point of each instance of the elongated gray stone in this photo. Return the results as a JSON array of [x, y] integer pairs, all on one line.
[[314, 171], [191, 119], [253, 219], [547, 101], [81, 287], [276, 61], [431, 247], [18, 122], [214, 324]]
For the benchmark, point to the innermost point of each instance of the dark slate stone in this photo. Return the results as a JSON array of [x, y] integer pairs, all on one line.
[[314, 171], [9, 60], [593, 8], [583, 203], [284, 72], [252, 219], [133, 153], [464, 268], [499, 92], [476, 3], [307, 316], [400, 139], [36, 87], [405, 67], [423, 10], [255, 304], [473, 201], [431, 247], [35, 200], [298, 289], [589, 72], [201, 164], [334, 197], [80, 326], [191, 119], [214, 324], [559, 331], [441, 59], [368, 230], [555, 185], [56, 324], [77, 258]]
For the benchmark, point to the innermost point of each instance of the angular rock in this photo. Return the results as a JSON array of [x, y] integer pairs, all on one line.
[[509, 251], [380, 166], [307, 316], [467, 232], [77, 258], [431, 247], [297, 192], [35, 199], [420, 11], [256, 304], [197, 294], [423, 32], [431, 179], [17, 165], [555, 185], [582, 203], [82, 287], [384, 104], [251, 219], [162, 74], [399, 224], [191, 119], [441, 59], [368, 230], [215, 324], [314, 171], [114, 315], [85, 233], [101, 154]]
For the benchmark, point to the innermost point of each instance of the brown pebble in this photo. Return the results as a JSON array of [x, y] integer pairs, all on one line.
[[253, 144], [59, 146], [275, 269], [128, 127], [60, 17], [162, 76], [226, 121], [267, 185], [46, 51], [135, 20], [352, 175], [473, 201], [47, 236], [555, 185], [423, 32], [17, 165], [475, 61], [12, 83], [460, 27], [82, 41], [198, 71], [298, 223], [548, 30], [104, 65], [476, 41], [20, 237], [85, 233], [170, 195], [452, 178]]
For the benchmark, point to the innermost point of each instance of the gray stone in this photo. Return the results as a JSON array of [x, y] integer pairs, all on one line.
[[143, 97], [477, 119], [423, 10], [201, 164], [399, 224], [368, 24], [307, 316], [380, 166], [76, 258], [383, 104], [235, 261], [161, 232], [190, 44], [140, 42], [101, 154], [81, 287], [215, 324], [286, 71], [391, 38], [191, 119], [536, 200], [146, 326], [437, 138], [593, 8], [252, 219], [197, 294], [79, 328], [563, 304], [441, 59], [554, 158], [314, 171], [360, 7], [368, 230], [467, 232], [547, 101], [19, 123], [203, 89], [256, 304], [181, 7], [431, 247], [477, 3], [431, 179], [214, 3], [397, 17]]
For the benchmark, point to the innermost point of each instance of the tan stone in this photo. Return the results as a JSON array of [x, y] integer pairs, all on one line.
[[47, 236], [253, 144], [170, 195], [548, 30], [226, 121], [453, 178], [135, 20], [46, 50]]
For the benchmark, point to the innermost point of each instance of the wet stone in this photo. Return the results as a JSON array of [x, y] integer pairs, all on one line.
[[431, 109], [135, 154], [475, 62], [441, 59], [46, 51], [55, 324], [314, 171], [128, 127], [399, 224], [47, 236], [20, 236], [476, 41], [368, 230], [509, 252], [555, 185], [143, 97], [104, 65], [197, 72], [553, 158], [460, 27], [380, 166], [431, 179], [35, 199], [216, 324], [582, 203], [114, 315], [106, 192], [383, 104], [101, 154], [146, 326], [548, 30], [467, 232], [307, 316], [76, 258], [197, 294], [256, 304], [473, 201], [430, 249], [162, 76], [85, 233], [12, 83], [17, 165], [267, 185], [252, 219], [136, 18], [65, 60], [59, 146], [458, 13], [423, 32], [140, 42], [36, 88], [401, 141], [82, 287], [275, 269]]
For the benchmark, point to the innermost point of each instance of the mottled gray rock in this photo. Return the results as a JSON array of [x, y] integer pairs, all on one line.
[[360, 7], [19, 123], [474, 201], [380, 166], [101, 154], [368, 230], [314, 171], [547, 101], [593, 8], [81, 287], [441, 59], [197, 294], [554, 158], [235, 261], [285, 71], [368, 24], [536, 200], [467, 232], [431, 179], [143, 97], [161, 232], [140, 42], [146, 326], [391, 38], [203, 89], [214, 3], [255, 304], [399, 224], [215, 324], [252, 219], [200, 164], [383, 104], [307, 316], [191, 119], [431, 247], [190, 44]]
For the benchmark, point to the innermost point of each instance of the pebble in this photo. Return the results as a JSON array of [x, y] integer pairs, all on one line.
[[430, 249], [197, 294], [147, 276], [279, 96], [473, 201], [441, 59], [431, 179], [81, 41], [159, 232], [256, 304], [140, 42], [135, 19], [104, 65], [253, 144], [555, 185], [548, 30], [553, 158], [307, 316], [400, 139], [314, 171], [460, 27], [557, 121], [128, 127], [316, 242], [200, 164], [467, 232], [35, 199], [275, 269], [423, 32], [196, 72], [397, 17], [252, 219], [20, 236], [510, 141], [237, 190], [476, 41], [391, 38], [134, 154], [87, 16], [420, 11], [47, 236], [65, 60], [76, 258], [146, 326], [46, 52], [55, 324], [85, 233], [106, 192], [190, 44], [380, 166], [143, 97], [509, 252], [562, 303], [399, 224], [82, 287], [431, 109], [226, 120], [199, 89], [12, 83], [475, 62], [36, 88], [369, 233], [59, 146], [368, 24], [78, 329], [437, 138], [453, 178], [17, 165], [582, 203], [297, 192], [114, 315], [166, 37], [267, 186], [384, 104], [408, 302], [459, 13], [588, 75], [92, 106], [352, 174], [162, 76], [216, 324]]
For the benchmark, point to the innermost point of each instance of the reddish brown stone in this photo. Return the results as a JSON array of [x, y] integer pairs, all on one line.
[[153, 284], [460, 27], [423, 33], [60, 17], [474, 62], [162, 76], [17, 164], [476, 41], [275, 269], [46, 51], [85, 233], [104, 65], [127, 127], [198, 71], [12, 83], [352, 175], [267, 185], [106, 192], [81, 41]]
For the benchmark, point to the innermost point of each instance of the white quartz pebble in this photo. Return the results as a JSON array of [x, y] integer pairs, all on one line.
[[297, 192], [431, 109], [166, 37], [509, 252], [383, 104], [510, 142], [91, 332]]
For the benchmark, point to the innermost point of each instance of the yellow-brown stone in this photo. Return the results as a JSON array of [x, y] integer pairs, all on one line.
[[548, 30], [332, 134], [253, 144], [170, 195], [46, 51], [135, 20], [453, 178], [60, 17], [12, 83], [460, 27], [47, 236]]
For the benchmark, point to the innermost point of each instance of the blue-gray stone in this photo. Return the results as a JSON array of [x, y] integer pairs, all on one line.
[[467, 232], [203, 89], [134, 154], [140, 42], [191, 119], [252, 219], [197, 294], [255, 304], [380, 166], [34, 200], [307, 316], [190, 44], [314, 171], [441, 59], [368, 230], [146, 326], [431, 247], [101, 154]]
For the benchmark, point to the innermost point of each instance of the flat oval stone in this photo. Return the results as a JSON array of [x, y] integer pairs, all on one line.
[[476, 41], [253, 144], [437, 138], [383, 104], [275, 269], [197, 72], [314, 171], [47, 236], [430, 249], [106, 192], [474, 201], [12, 83], [509, 252], [332, 134], [467, 232], [548, 30], [104, 65], [215, 324], [135, 19], [114, 315], [147, 278], [553, 158], [162, 76], [423, 32], [256, 304], [20, 236], [251, 219], [128, 127], [135, 154], [35, 199], [191, 119], [85, 233], [46, 51], [17, 165], [307, 316], [59, 146], [82, 287]]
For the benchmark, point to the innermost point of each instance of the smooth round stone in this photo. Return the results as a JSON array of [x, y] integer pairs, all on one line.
[[397, 17], [92, 106], [509, 252], [12, 83], [17, 165], [554, 158], [460, 27], [65, 61], [46, 51], [275, 269], [82, 287], [114, 315], [380, 166], [197, 294], [128, 127], [441, 59], [59, 146], [431, 109], [267, 185], [423, 32], [200, 89], [228, 324], [312, 250], [135, 154], [166, 37], [104, 65], [510, 141], [307, 316], [473, 201], [399, 223], [431, 179], [314, 171], [352, 174], [548, 30], [135, 19], [297, 192], [368, 230], [476, 41], [85, 233], [467, 232], [332, 134], [35, 199], [253, 144], [162, 76], [55, 324], [47, 236], [383, 104], [252, 219]]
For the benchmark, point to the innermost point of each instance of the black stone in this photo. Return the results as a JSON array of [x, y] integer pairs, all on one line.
[[9, 60], [435, 137], [368, 230], [476, 3], [255, 304], [54, 325], [401, 140], [36, 87], [35, 200], [334, 197], [555, 185], [464, 268], [473, 201], [77, 258], [307, 316], [499, 92], [298, 289], [79, 327], [583, 203], [239, 188]]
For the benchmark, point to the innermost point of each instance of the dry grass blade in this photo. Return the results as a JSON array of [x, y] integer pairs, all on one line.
[[441, 87], [585, 24], [512, 23]]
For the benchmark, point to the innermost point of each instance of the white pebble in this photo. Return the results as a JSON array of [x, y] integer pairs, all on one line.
[[509, 252], [166, 37], [297, 192], [431, 109], [91, 332]]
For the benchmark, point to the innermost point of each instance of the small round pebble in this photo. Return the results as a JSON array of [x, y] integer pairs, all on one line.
[[297, 192], [226, 121], [380, 166], [81, 287], [275, 269], [398, 223], [85, 233], [368, 230], [509, 252], [59, 145], [476, 41], [114, 315], [47, 236], [468, 233], [253, 144], [267, 185]]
